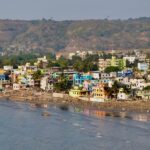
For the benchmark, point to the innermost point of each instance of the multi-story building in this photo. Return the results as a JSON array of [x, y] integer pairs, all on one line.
[[122, 95], [143, 66], [121, 63], [79, 78], [104, 63], [99, 92], [131, 59]]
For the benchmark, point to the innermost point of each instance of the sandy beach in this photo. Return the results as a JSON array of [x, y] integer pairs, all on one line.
[[36, 97]]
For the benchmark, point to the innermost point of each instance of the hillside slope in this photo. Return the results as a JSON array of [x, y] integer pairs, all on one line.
[[49, 35]]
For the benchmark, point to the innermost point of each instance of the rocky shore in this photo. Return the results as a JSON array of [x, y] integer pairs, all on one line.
[[37, 97]]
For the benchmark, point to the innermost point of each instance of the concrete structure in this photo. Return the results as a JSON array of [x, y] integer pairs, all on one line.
[[137, 83], [131, 59], [99, 92], [42, 62], [104, 63], [147, 94], [82, 54], [121, 63], [8, 68], [143, 66], [125, 73], [122, 95], [46, 84], [79, 78], [16, 86]]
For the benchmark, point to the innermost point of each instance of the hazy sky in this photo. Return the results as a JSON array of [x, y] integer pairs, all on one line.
[[73, 9]]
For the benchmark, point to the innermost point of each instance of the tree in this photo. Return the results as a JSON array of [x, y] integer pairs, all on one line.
[[78, 66], [147, 88], [62, 84], [63, 63], [112, 69], [40, 65], [37, 75]]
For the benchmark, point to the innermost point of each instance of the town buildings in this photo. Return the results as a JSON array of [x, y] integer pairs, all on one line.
[[128, 83]]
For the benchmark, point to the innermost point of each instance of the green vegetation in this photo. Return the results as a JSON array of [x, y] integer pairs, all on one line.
[[112, 69], [37, 75], [63, 84], [147, 88], [86, 65], [49, 35]]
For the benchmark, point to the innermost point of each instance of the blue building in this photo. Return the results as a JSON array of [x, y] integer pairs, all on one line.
[[4, 77], [79, 78], [127, 73]]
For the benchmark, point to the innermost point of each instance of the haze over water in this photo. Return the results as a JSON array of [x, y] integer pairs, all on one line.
[[22, 127]]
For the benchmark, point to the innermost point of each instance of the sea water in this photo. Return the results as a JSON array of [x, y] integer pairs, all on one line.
[[25, 127]]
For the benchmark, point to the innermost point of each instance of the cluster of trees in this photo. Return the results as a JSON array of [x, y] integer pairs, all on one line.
[[112, 69], [63, 84], [16, 60], [22, 58], [112, 91], [90, 63]]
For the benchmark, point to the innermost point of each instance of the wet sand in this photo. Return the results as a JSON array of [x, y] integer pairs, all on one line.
[[46, 98]]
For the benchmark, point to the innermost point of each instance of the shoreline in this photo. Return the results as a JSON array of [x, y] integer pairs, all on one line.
[[46, 98]]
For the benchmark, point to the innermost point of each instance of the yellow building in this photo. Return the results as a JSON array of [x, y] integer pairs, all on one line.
[[2, 71], [99, 91], [77, 92]]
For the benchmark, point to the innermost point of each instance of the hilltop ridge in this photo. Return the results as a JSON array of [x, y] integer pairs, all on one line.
[[52, 36]]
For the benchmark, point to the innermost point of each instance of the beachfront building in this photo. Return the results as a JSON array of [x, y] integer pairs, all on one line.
[[147, 94], [122, 95], [139, 94], [121, 63], [4, 79], [30, 81], [2, 71], [78, 91], [16, 86], [46, 84], [99, 92]]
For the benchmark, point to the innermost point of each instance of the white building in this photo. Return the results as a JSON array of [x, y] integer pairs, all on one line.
[[6, 68], [16, 86], [143, 66], [131, 59], [104, 63], [43, 59], [45, 84], [137, 83], [71, 55], [122, 95]]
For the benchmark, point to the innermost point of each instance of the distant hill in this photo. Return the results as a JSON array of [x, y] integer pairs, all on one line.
[[51, 36]]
